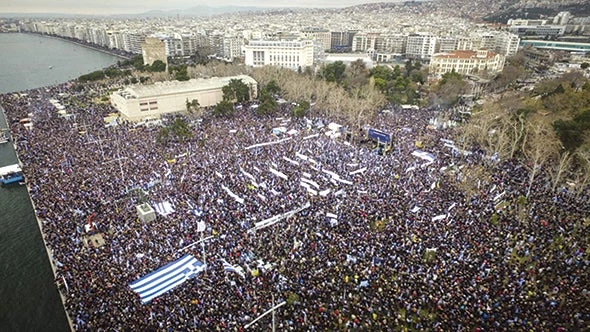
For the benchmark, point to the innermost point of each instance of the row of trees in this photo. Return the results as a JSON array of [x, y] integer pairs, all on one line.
[[98, 75]]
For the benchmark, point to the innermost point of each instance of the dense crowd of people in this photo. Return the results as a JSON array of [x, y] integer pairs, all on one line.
[[396, 244]]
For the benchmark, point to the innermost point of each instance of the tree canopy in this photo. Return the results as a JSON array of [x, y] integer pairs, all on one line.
[[223, 109], [236, 91], [333, 72]]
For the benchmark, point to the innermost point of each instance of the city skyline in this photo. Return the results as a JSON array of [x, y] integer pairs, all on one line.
[[111, 7]]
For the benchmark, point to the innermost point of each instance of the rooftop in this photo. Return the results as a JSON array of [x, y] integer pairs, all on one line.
[[176, 87], [466, 54]]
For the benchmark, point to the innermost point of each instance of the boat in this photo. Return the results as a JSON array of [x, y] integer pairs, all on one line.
[[11, 174], [50, 67], [4, 138]]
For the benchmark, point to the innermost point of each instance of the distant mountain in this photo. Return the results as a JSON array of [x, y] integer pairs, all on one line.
[[195, 11]]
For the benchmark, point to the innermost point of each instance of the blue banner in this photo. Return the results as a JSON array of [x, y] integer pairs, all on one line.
[[379, 136]]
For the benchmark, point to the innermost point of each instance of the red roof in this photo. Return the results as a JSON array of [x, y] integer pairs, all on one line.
[[464, 54]]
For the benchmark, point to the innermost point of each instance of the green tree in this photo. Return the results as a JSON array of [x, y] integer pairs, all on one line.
[[192, 105], [334, 72], [163, 136], [94, 76], [300, 110], [137, 62], [236, 91], [380, 84], [584, 65], [157, 66], [268, 105], [113, 72], [273, 88], [181, 73], [382, 72], [223, 109], [181, 129]]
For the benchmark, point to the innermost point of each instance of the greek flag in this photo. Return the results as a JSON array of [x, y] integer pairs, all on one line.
[[167, 277], [231, 268]]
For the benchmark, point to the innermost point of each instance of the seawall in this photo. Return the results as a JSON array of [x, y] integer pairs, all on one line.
[[40, 225]]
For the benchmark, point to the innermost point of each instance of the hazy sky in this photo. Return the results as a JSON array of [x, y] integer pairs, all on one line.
[[104, 7]]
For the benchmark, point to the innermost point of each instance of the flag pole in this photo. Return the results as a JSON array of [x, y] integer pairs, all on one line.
[[195, 243], [265, 313], [273, 314]]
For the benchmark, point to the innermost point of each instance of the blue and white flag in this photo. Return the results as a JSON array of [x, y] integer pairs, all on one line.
[[167, 277], [231, 268]]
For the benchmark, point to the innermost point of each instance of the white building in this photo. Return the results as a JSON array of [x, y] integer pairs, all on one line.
[[348, 58], [139, 102], [466, 62], [232, 47], [420, 46], [362, 42], [539, 30], [502, 42], [562, 18], [322, 37], [292, 54]]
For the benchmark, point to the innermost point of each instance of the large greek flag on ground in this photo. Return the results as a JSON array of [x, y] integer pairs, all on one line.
[[167, 277]]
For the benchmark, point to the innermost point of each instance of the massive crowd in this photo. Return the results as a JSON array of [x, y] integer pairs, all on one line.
[[399, 246]]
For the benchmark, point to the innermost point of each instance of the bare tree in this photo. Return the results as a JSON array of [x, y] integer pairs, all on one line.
[[560, 168], [583, 178], [540, 146]]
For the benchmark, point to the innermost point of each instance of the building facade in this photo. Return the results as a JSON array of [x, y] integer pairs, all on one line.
[[467, 62], [153, 49], [139, 102], [292, 54], [341, 41], [420, 46], [322, 37]]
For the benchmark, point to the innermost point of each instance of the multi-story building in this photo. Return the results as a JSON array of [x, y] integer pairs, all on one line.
[[539, 30], [341, 41], [525, 22], [115, 39], [322, 37], [391, 43], [562, 18], [292, 54], [81, 33], [216, 42], [447, 44], [232, 47], [464, 43], [99, 36], [364, 41], [467, 62], [388, 47], [498, 41], [132, 42], [420, 46]]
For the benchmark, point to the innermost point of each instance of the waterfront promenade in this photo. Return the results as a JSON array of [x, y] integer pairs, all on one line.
[[106, 50]]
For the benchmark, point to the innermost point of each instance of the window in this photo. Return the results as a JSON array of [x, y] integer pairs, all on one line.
[[151, 105]]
